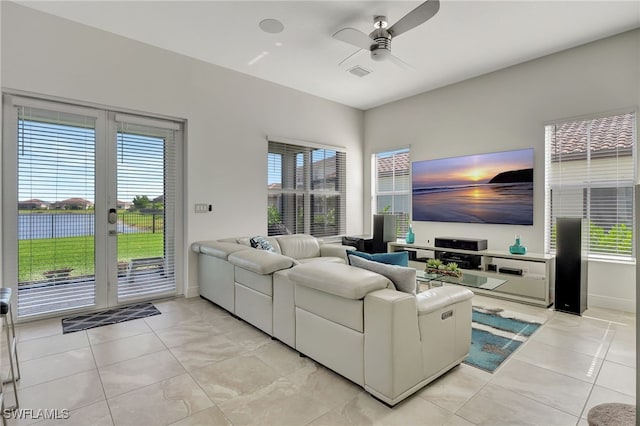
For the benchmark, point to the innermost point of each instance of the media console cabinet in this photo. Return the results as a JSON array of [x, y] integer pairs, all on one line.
[[534, 286]]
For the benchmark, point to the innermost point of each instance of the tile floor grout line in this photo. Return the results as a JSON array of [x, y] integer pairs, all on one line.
[[562, 373], [104, 393], [552, 371], [538, 402], [584, 407], [189, 374]]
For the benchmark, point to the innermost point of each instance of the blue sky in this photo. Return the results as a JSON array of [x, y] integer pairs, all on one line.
[[472, 169], [56, 162]]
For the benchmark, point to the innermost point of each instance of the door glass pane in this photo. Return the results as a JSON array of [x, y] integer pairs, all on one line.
[[56, 221], [145, 192]]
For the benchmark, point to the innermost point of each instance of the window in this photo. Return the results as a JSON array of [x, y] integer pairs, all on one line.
[[392, 186], [306, 190], [590, 173]]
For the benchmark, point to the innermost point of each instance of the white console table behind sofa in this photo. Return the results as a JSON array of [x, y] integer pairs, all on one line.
[[534, 286]]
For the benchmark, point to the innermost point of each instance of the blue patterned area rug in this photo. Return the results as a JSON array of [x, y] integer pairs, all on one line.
[[494, 336], [110, 316]]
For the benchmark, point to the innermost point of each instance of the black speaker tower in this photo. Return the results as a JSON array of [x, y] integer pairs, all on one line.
[[384, 230], [571, 265]]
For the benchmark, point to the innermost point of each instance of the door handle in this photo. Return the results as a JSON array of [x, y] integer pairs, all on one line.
[[113, 216]]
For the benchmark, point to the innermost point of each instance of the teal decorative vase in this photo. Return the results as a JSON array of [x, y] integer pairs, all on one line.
[[410, 237], [517, 248]]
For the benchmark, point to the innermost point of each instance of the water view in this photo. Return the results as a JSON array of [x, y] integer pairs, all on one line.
[[484, 203], [53, 225]]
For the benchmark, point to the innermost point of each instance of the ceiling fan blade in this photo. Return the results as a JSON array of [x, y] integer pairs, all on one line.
[[417, 16], [354, 37], [349, 57], [399, 62]]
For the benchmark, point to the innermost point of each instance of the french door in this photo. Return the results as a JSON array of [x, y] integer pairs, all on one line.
[[89, 206]]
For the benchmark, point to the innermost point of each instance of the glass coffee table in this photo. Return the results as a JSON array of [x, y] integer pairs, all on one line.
[[468, 279]]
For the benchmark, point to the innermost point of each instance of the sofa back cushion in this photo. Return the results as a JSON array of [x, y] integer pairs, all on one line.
[[402, 277], [261, 243], [337, 279], [246, 241], [399, 258], [298, 246]]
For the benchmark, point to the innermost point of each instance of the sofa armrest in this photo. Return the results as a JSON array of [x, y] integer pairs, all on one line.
[[260, 261], [221, 250], [439, 297], [335, 250], [444, 318], [393, 351]]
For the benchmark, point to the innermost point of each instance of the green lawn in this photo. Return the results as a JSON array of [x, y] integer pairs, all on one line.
[[38, 256]]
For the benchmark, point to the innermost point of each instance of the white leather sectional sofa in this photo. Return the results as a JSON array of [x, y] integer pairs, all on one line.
[[349, 319]]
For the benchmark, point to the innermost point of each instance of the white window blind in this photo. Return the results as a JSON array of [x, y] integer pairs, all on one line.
[[306, 189], [56, 195], [146, 201], [391, 170], [590, 172]]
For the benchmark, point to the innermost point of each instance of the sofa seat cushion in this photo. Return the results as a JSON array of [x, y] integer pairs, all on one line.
[[221, 250], [335, 250], [299, 246], [260, 261], [338, 279], [321, 259], [438, 297]]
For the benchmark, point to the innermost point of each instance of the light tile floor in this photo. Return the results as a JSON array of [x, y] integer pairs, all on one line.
[[197, 365]]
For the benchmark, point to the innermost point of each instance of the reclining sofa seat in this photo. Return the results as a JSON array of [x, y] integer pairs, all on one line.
[[215, 273], [389, 342], [253, 284]]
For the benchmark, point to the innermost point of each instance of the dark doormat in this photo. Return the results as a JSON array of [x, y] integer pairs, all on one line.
[[110, 316]]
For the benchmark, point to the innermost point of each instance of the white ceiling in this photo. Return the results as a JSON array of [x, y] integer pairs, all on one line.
[[464, 39]]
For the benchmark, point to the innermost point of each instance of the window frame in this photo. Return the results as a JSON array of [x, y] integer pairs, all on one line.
[[376, 192], [590, 184], [303, 186]]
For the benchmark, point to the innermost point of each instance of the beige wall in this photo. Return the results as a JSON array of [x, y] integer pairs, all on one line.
[[507, 110], [228, 114]]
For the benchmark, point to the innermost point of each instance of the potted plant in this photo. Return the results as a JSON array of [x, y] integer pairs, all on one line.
[[435, 266]]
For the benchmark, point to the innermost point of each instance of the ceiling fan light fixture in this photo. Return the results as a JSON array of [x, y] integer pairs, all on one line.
[[271, 26], [380, 22], [380, 54]]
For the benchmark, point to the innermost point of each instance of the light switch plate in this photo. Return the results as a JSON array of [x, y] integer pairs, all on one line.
[[201, 208]]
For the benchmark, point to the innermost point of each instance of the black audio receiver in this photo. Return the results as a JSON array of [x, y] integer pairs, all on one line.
[[461, 243]]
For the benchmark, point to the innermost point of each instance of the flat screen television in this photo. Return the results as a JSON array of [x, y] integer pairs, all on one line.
[[485, 188]]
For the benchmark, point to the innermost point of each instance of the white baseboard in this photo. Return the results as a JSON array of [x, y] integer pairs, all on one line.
[[192, 291], [599, 301]]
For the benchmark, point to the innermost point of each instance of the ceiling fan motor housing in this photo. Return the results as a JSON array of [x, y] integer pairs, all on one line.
[[382, 47]]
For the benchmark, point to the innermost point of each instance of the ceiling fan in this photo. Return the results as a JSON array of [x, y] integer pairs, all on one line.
[[379, 41]]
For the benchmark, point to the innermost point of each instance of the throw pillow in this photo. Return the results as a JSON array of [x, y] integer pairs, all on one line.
[[402, 277], [399, 258], [261, 243]]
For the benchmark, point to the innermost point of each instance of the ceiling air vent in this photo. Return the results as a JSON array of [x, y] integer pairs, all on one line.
[[359, 71]]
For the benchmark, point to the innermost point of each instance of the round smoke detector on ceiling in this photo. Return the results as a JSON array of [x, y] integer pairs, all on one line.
[[272, 26]]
